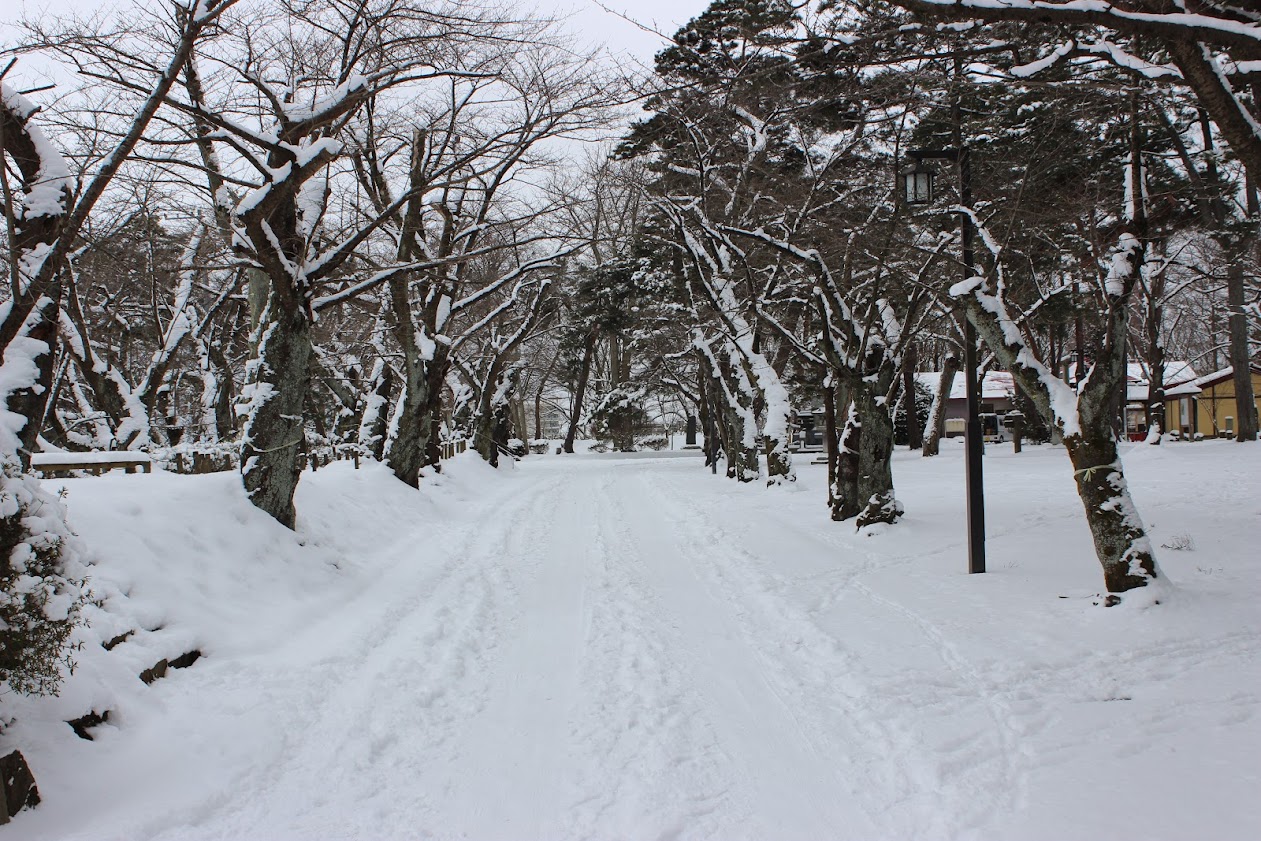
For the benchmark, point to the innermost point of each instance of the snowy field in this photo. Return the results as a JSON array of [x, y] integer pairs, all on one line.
[[602, 647]]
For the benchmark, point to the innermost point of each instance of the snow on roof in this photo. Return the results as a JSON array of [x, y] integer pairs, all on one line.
[[1182, 390], [1176, 371], [1215, 376], [1180, 379], [995, 386], [1218, 376]]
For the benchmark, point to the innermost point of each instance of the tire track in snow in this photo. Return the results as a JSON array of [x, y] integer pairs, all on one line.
[[650, 763], [1005, 714], [507, 774], [802, 782], [926, 793], [1008, 774], [948, 768]]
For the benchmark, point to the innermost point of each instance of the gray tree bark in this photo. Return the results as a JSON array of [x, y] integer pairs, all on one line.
[[273, 443], [845, 495], [1240, 357], [914, 435], [937, 415], [580, 391]]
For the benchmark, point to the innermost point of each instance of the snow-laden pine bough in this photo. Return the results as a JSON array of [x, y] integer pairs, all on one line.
[[722, 153], [1193, 38]]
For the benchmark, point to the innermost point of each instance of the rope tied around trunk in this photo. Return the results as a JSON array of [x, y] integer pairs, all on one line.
[[1089, 472], [261, 450]]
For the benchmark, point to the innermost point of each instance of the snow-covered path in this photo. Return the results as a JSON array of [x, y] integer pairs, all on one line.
[[590, 672], [629, 648]]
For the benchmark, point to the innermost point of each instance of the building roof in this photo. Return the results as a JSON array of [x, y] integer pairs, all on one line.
[[1137, 373], [996, 385], [1220, 376], [1182, 389], [1180, 379]]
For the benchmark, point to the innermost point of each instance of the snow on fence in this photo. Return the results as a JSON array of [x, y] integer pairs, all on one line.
[[95, 463], [196, 459]]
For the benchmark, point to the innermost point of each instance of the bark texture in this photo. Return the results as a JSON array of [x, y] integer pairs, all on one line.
[[1240, 357], [580, 390], [937, 415], [845, 494], [273, 443], [1121, 542]]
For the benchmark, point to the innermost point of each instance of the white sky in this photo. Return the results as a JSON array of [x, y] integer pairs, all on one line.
[[628, 44], [591, 23], [596, 25]]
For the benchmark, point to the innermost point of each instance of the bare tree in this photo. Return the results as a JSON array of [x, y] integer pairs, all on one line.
[[302, 76], [471, 145]]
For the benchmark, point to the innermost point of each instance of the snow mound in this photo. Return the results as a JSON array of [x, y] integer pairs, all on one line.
[[183, 568]]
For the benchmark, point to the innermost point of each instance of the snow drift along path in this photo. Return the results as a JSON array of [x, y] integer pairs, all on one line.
[[598, 648]]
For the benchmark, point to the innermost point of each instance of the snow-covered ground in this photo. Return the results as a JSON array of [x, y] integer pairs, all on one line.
[[603, 647]]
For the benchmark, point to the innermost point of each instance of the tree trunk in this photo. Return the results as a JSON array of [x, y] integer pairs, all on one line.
[[405, 449], [705, 411], [779, 465], [580, 391], [845, 496], [1240, 358], [273, 445], [831, 441], [937, 415], [217, 398], [1121, 542], [743, 461], [914, 435], [519, 424], [38, 331], [1156, 397], [875, 452], [435, 405], [492, 427], [373, 420]]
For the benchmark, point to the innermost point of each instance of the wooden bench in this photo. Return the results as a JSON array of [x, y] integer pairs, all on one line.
[[95, 463]]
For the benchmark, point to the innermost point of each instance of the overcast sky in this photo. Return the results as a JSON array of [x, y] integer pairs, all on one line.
[[592, 22], [585, 18], [623, 27]]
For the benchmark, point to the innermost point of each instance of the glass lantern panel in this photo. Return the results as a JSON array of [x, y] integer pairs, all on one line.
[[918, 186]]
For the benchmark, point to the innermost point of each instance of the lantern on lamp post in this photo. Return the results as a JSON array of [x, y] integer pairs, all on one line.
[[917, 184]]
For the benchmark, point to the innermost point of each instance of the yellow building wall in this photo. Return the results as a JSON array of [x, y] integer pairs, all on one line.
[[1217, 402]]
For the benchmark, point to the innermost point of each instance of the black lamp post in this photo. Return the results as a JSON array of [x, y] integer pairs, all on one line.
[[917, 189]]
